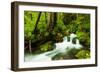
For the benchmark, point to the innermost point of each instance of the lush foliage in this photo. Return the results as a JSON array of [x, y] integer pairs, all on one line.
[[43, 29]]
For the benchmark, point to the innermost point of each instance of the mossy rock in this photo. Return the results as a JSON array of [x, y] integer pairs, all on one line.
[[46, 47], [83, 54], [68, 55]]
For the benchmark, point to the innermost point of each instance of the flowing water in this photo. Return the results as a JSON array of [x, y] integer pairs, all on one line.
[[61, 47]]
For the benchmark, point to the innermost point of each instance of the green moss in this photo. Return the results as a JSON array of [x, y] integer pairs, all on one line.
[[46, 47], [83, 54]]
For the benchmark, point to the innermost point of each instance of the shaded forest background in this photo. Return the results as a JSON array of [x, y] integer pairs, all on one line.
[[43, 29]]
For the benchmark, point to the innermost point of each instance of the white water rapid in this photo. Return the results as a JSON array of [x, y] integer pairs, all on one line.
[[61, 47]]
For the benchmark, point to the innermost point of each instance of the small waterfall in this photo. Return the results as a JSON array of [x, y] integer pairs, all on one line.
[[77, 41], [61, 47], [72, 36], [78, 46], [65, 39]]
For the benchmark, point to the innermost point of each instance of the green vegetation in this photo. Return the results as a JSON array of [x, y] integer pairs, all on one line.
[[43, 29], [83, 54]]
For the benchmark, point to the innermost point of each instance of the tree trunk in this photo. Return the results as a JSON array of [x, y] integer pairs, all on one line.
[[37, 22], [52, 18], [45, 18], [48, 21], [30, 49]]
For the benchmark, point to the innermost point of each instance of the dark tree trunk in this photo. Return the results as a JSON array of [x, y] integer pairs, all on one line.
[[45, 18], [52, 19], [48, 21], [30, 49], [37, 22]]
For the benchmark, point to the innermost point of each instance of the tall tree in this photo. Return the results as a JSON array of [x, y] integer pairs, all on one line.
[[37, 22], [52, 19]]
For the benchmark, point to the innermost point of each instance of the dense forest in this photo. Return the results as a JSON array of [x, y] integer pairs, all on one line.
[[43, 29]]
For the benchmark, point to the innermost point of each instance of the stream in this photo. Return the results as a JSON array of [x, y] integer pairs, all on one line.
[[61, 47]]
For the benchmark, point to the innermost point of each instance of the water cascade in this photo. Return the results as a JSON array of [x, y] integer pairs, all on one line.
[[61, 47]]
